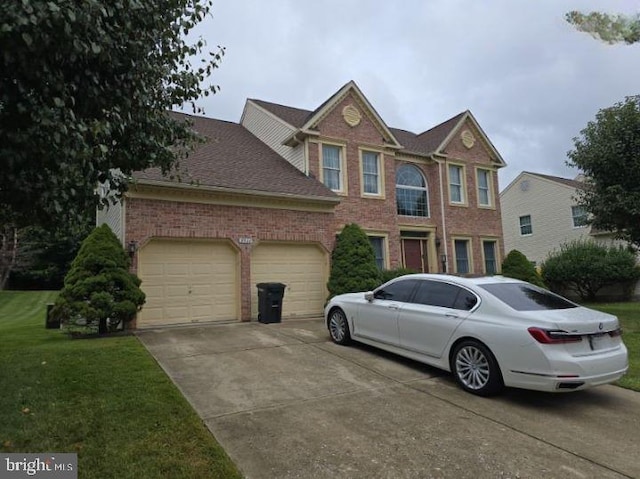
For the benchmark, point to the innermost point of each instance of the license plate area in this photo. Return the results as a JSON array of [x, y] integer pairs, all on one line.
[[599, 341]]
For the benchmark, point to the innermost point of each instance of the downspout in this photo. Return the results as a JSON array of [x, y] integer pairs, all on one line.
[[444, 221]]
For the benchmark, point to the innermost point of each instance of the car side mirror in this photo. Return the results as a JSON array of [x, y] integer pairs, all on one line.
[[368, 296]]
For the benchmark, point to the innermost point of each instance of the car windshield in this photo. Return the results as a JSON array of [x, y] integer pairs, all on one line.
[[525, 297]]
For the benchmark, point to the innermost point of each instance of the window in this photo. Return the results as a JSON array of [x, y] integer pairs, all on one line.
[[484, 187], [332, 167], [456, 188], [526, 297], [411, 192], [378, 248], [525, 225], [371, 184], [579, 215], [445, 295], [400, 290], [490, 261], [462, 256]]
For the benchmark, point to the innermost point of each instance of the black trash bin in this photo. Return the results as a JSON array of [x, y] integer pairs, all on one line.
[[270, 302]]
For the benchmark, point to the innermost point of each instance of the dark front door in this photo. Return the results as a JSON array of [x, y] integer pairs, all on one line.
[[415, 254]]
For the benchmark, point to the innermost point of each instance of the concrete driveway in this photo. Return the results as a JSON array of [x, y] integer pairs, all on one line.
[[285, 402]]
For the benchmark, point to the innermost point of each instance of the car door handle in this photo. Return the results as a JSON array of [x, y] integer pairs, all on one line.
[[393, 306], [451, 315]]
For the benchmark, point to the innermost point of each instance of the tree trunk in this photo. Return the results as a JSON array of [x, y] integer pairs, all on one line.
[[8, 252]]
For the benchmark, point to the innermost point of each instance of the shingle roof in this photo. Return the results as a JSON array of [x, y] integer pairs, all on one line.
[[296, 117], [428, 141], [424, 143], [557, 179], [232, 157]]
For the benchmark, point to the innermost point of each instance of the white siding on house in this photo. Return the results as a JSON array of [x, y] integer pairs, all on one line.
[[549, 204], [272, 132], [113, 215]]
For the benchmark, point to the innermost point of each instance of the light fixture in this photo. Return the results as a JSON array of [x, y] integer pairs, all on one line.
[[132, 247]]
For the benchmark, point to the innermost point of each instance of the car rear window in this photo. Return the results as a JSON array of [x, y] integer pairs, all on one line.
[[525, 297]]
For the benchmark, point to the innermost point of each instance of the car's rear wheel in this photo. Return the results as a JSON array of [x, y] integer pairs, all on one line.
[[476, 369], [339, 327]]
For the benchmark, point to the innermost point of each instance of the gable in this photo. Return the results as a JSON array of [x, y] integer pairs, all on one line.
[[354, 109], [349, 119], [467, 139]]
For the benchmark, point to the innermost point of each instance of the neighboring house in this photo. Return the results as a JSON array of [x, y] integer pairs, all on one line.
[[539, 213], [263, 200]]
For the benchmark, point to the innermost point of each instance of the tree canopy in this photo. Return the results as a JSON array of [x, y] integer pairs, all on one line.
[[609, 28], [84, 92], [608, 153]]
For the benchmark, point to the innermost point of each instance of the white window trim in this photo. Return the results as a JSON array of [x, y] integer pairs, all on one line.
[[344, 190], [520, 225], [490, 190], [463, 185], [426, 191], [381, 184], [573, 218]]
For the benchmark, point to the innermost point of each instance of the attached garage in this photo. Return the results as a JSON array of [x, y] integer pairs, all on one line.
[[188, 281], [302, 267]]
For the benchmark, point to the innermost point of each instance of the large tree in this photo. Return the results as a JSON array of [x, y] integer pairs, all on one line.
[[84, 91], [608, 152], [609, 28]]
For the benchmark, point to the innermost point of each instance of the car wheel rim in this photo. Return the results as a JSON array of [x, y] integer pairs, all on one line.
[[472, 367], [337, 326]]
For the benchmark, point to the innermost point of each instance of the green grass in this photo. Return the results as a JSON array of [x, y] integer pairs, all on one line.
[[629, 316], [106, 399]]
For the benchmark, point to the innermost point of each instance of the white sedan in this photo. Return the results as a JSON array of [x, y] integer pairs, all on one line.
[[490, 332]]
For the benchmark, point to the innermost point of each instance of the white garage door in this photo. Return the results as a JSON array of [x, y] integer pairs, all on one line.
[[302, 267], [188, 281]]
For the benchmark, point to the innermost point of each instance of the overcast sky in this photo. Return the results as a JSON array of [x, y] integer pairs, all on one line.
[[531, 80]]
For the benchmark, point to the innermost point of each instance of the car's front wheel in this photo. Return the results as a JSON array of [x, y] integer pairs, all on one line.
[[339, 327], [476, 369]]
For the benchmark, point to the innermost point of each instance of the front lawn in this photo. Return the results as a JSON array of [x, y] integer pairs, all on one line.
[[629, 315], [106, 399]]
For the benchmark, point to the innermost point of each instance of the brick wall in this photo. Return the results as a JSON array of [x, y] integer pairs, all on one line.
[[375, 214]]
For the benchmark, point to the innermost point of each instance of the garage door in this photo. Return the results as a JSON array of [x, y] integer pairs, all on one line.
[[302, 267], [188, 281]]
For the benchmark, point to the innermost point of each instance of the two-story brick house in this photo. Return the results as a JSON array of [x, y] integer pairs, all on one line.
[[269, 195]]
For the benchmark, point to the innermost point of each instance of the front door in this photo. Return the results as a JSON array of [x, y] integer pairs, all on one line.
[[415, 254]]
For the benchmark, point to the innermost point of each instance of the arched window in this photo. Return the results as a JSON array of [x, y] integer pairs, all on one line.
[[411, 192]]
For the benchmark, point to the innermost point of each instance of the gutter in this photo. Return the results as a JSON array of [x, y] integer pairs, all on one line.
[[236, 191]]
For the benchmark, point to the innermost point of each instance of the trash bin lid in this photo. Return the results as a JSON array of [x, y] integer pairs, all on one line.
[[271, 286]]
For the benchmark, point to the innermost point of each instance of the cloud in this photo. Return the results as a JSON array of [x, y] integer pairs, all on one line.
[[531, 80]]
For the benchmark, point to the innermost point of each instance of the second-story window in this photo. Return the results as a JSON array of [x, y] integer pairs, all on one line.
[[456, 188], [484, 187], [526, 228], [370, 173], [411, 192], [332, 167]]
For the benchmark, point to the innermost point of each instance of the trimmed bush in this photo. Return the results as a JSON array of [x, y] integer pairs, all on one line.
[[516, 265], [353, 263], [586, 267], [389, 274], [99, 291]]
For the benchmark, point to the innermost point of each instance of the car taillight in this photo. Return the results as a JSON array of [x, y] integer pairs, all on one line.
[[553, 336], [615, 332]]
